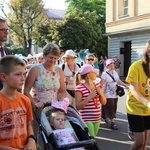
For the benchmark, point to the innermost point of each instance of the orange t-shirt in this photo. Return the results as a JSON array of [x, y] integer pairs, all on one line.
[[14, 116]]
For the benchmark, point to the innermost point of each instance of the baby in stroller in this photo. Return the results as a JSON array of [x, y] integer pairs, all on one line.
[[52, 122], [62, 135]]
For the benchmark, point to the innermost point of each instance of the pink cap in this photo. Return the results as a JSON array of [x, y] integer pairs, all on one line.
[[87, 68], [109, 61]]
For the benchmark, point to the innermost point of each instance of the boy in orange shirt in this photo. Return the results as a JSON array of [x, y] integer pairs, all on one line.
[[15, 108]]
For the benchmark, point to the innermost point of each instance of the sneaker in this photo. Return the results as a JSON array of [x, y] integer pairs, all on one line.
[[114, 126]]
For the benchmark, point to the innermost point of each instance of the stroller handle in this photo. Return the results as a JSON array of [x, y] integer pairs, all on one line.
[[85, 143], [35, 112]]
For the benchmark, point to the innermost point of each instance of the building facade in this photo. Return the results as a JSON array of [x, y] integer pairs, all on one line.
[[128, 29]]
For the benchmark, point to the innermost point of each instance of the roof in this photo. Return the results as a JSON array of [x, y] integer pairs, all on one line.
[[55, 14]]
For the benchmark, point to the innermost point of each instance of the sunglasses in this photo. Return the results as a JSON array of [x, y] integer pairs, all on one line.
[[90, 59]]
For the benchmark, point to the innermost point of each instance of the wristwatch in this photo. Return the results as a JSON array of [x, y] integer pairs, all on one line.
[[32, 136]]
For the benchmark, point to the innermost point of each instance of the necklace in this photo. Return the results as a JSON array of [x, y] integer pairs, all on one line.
[[72, 70]]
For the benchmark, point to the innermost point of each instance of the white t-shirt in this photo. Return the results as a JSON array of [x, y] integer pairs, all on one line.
[[109, 87], [68, 73], [65, 136]]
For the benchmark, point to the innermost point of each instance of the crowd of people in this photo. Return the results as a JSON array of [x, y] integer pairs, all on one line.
[[90, 86]]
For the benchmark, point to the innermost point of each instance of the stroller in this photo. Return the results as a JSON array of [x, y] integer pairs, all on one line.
[[46, 139]]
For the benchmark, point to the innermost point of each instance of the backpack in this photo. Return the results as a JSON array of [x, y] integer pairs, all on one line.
[[63, 66], [82, 63]]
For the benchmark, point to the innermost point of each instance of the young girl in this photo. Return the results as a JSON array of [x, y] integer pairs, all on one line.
[[89, 97], [63, 136]]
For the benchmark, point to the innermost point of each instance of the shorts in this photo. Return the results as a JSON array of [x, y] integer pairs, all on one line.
[[138, 123]]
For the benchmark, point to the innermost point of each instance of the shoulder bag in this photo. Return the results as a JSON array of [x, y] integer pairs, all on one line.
[[120, 90]]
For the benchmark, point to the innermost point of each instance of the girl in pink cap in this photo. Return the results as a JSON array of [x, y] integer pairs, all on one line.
[[89, 97]]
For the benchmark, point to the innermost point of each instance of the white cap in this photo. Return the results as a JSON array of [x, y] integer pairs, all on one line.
[[29, 57]]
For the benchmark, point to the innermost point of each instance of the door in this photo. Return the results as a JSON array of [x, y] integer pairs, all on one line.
[[127, 57]]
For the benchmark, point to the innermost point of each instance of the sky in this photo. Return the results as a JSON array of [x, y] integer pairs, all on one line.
[[54, 4]]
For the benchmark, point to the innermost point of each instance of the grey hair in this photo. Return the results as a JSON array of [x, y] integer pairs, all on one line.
[[51, 48]]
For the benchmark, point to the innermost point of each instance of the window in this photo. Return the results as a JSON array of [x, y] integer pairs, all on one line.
[[125, 7]]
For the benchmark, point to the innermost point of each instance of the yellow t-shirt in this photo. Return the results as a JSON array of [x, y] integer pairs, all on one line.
[[136, 74]]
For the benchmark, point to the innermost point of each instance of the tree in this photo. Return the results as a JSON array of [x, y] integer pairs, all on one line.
[[23, 18], [45, 32], [92, 5], [79, 31]]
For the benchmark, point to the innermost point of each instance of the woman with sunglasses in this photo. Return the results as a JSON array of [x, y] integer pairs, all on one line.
[[89, 59]]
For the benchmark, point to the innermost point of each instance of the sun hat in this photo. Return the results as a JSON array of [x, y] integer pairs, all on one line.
[[70, 53], [87, 68], [109, 61], [39, 55]]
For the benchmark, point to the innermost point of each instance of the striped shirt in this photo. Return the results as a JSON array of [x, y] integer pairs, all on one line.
[[92, 110]]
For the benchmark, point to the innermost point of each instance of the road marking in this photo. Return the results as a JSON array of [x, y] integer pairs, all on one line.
[[112, 140]]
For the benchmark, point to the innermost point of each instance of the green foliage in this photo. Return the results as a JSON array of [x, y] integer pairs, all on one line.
[[82, 27], [79, 31], [45, 32], [23, 18], [16, 49], [97, 6]]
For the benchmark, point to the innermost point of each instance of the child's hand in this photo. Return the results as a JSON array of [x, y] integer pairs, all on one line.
[[31, 145], [92, 94]]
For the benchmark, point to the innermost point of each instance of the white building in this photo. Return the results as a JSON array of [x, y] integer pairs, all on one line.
[[128, 29]]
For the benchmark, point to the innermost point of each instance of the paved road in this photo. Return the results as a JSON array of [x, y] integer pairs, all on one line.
[[116, 139]]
